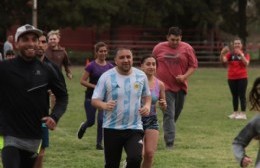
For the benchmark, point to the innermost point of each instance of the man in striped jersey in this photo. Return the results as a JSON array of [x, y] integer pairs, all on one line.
[[119, 92]]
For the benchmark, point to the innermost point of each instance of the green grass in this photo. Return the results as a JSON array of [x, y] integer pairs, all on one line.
[[204, 133]]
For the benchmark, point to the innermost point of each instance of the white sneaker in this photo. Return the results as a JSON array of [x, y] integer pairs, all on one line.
[[241, 116], [233, 115]]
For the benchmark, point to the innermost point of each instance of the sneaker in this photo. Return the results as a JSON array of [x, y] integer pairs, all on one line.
[[81, 130], [241, 116], [233, 115], [99, 147]]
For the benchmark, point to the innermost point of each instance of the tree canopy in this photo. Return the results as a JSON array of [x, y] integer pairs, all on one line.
[[230, 16]]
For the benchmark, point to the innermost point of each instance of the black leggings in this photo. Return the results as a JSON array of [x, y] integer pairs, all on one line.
[[116, 140], [238, 91], [13, 157]]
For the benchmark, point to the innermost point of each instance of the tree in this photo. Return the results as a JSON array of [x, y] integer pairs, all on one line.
[[11, 12], [237, 14], [243, 20], [204, 15]]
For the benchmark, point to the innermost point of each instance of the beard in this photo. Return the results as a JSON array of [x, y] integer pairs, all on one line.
[[39, 53], [28, 54]]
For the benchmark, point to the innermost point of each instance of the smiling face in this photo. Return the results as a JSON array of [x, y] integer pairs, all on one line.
[[101, 53], [149, 66], [124, 61], [27, 45], [53, 40], [238, 44]]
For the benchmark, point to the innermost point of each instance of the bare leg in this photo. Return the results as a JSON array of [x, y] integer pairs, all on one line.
[[39, 159], [150, 145]]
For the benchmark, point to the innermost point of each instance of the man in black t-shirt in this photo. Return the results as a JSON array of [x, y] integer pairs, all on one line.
[[25, 81]]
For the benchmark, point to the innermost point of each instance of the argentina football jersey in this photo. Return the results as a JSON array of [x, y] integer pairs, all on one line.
[[125, 90]]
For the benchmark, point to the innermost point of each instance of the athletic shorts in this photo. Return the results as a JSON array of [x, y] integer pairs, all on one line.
[[45, 136], [150, 122]]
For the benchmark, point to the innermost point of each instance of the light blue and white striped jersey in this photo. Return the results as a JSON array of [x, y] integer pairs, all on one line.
[[127, 91]]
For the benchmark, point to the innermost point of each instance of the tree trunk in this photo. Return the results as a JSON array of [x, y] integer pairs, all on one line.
[[242, 19]]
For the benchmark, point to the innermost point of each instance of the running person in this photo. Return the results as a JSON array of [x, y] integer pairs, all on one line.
[[176, 63], [150, 123], [92, 73], [45, 131], [24, 86], [118, 93]]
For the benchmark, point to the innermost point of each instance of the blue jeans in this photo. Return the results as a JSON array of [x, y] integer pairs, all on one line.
[[91, 117], [175, 102]]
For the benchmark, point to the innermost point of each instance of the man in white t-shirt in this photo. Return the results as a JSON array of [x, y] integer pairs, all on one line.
[[119, 92]]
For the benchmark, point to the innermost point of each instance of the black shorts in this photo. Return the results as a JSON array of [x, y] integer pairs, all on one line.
[[150, 122]]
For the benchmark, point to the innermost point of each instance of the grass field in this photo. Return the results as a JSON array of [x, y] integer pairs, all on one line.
[[204, 133]]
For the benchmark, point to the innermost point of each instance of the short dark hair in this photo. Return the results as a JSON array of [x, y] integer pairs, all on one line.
[[123, 48], [175, 31], [44, 33], [9, 52]]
